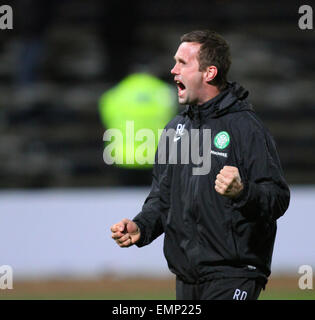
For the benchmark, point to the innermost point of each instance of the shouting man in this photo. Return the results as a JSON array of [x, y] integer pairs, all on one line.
[[219, 227]]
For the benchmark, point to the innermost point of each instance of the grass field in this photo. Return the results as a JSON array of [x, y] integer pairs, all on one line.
[[111, 288]]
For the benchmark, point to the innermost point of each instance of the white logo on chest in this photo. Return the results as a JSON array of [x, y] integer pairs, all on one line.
[[179, 131]]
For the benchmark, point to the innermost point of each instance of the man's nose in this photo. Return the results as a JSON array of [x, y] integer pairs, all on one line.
[[174, 70]]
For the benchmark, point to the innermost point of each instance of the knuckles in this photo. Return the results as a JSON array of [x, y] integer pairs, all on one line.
[[226, 180]]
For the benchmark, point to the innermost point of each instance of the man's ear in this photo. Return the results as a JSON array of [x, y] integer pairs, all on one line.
[[210, 73]]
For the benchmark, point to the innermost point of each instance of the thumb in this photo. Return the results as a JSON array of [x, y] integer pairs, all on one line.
[[122, 224]]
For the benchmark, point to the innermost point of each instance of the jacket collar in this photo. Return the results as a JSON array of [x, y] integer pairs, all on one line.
[[220, 104]]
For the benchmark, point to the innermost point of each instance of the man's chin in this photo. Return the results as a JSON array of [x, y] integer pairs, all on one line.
[[182, 100]]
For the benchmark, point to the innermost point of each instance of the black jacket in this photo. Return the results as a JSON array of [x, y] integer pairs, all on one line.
[[208, 235]]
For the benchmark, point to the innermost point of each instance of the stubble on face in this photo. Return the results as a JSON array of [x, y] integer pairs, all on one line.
[[186, 73]]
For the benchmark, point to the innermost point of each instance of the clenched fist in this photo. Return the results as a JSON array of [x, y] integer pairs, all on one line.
[[228, 182], [125, 233]]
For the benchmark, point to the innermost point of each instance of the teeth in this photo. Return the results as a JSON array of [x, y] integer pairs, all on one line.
[[180, 85]]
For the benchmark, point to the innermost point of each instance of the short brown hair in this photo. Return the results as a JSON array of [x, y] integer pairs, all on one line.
[[214, 51]]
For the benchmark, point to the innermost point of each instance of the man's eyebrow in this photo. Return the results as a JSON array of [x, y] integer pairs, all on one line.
[[179, 59]]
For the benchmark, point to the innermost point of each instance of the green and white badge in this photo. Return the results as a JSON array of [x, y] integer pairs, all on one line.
[[222, 140]]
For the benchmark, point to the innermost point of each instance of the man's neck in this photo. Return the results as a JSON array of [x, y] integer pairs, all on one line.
[[210, 94]]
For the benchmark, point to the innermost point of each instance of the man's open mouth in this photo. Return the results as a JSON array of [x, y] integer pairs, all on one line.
[[180, 86]]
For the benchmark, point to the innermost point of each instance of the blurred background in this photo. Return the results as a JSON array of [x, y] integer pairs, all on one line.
[[58, 198]]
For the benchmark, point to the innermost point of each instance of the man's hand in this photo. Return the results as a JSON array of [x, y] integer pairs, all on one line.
[[228, 182], [125, 233]]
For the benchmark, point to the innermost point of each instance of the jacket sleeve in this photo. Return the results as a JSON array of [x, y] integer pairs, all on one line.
[[266, 194], [151, 219]]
